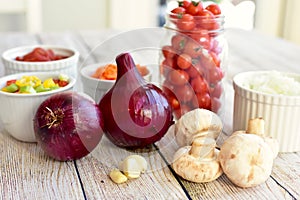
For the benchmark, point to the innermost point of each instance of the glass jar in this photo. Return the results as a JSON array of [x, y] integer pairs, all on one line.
[[193, 62]]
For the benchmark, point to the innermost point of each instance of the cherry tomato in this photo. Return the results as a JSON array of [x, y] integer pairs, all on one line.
[[178, 11], [214, 9], [184, 61], [186, 23], [173, 102], [207, 21], [184, 93], [168, 88], [168, 51], [184, 3], [206, 14], [171, 62], [207, 63], [199, 85], [194, 71], [202, 37], [203, 100], [214, 75], [178, 42], [182, 110], [215, 47], [215, 58], [216, 90], [192, 48], [215, 104], [178, 77], [168, 65], [164, 68], [194, 8]]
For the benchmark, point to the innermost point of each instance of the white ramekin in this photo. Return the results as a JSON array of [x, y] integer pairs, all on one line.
[[18, 110], [280, 112], [96, 88], [65, 66]]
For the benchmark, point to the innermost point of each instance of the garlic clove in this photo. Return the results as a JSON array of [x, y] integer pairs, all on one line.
[[133, 165]]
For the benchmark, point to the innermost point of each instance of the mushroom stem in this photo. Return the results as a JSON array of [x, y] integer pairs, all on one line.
[[256, 126], [203, 147]]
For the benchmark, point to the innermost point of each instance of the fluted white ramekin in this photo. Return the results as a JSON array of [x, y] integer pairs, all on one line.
[[280, 112], [17, 111], [65, 66]]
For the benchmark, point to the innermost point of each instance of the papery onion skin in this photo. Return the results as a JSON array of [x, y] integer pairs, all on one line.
[[77, 130], [136, 113]]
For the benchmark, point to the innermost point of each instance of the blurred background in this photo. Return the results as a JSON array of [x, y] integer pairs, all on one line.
[[273, 17]]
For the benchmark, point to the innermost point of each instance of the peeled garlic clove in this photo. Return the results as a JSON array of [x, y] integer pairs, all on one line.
[[117, 176], [133, 166]]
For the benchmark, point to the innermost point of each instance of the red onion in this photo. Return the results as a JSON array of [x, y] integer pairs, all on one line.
[[136, 113], [68, 125]]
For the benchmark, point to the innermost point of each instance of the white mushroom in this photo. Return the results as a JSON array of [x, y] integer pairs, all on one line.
[[257, 126], [246, 158], [198, 163], [197, 123]]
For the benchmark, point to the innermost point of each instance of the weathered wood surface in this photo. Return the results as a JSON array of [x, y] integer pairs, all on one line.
[[27, 173]]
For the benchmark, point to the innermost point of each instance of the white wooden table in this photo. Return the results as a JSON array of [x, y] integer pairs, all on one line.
[[27, 173]]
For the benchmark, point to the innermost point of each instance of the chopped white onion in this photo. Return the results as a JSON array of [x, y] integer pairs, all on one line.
[[274, 83]]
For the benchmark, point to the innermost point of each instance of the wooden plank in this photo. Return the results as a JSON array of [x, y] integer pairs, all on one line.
[[27, 173], [222, 188], [157, 183], [287, 172], [252, 50]]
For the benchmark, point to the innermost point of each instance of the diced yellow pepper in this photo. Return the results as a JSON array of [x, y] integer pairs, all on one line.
[[28, 81], [48, 83]]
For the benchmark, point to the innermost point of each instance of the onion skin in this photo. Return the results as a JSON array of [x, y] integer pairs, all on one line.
[[136, 113], [76, 129]]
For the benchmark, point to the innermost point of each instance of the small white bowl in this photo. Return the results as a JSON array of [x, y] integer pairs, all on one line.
[[18, 110], [96, 88], [67, 65], [280, 112]]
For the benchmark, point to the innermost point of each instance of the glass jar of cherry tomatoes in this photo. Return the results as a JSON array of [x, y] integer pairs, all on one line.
[[193, 58]]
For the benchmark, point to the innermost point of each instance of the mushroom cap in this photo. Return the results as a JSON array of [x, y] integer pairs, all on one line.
[[196, 123], [199, 170], [246, 159]]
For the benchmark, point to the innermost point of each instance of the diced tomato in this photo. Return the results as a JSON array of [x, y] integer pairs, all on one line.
[[10, 82], [39, 54], [63, 83]]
